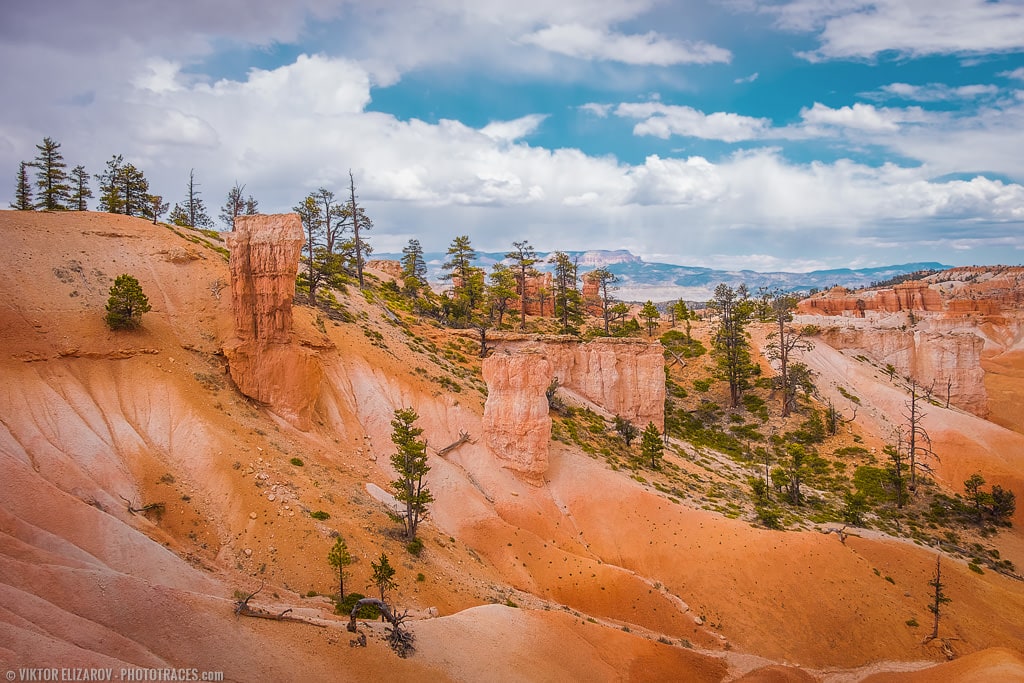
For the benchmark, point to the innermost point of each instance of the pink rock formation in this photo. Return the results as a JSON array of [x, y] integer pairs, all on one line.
[[619, 376], [265, 363], [940, 330], [386, 266], [516, 423], [264, 262], [538, 291]]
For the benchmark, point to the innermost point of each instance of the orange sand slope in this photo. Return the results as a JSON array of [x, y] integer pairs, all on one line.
[[612, 580]]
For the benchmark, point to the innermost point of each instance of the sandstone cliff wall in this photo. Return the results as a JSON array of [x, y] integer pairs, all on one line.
[[942, 330], [265, 362], [946, 362], [617, 376]]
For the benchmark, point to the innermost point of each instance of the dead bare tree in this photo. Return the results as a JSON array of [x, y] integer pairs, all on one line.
[[399, 637], [157, 509], [464, 437], [782, 342], [939, 598], [242, 609], [919, 444], [833, 418]]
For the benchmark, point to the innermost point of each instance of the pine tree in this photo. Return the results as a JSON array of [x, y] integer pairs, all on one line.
[[23, 193], [339, 558], [523, 257], [134, 190], [650, 314], [233, 206], [626, 429], [501, 291], [730, 346], [155, 207], [313, 225], [467, 282], [605, 280], [194, 206], [331, 216], [939, 597], [356, 221], [461, 256], [651, 445], [51, 178], [179, 216], [383, 576], [111, 197], [414, 268], [568, 302], [126, 304], [80, 192], [410, 462], [782, 342]]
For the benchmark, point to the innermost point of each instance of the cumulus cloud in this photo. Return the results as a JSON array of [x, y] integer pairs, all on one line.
[[514, 129], [865, 28], [665, 120], [863, 117], [588, 42], [1017, 74]]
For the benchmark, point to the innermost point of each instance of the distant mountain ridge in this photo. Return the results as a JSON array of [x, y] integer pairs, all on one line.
[[640, 280]]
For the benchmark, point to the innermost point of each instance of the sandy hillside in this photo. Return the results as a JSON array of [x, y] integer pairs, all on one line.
[[609, 578]]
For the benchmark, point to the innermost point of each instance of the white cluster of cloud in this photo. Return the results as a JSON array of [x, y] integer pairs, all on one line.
[[938, 92], [285, 130], [867, 28], [664, 121], [588, 42]]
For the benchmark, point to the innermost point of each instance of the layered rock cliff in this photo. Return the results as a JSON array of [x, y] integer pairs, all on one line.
[[943, 330], [623, 377], [265, 362]]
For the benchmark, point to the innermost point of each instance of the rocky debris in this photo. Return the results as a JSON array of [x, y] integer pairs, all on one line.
[[265, 362], [619, 376]]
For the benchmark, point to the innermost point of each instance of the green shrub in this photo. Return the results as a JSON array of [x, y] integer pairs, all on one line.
[[320, 514], [415, 547], [769, 516], [345, 607], [126, 304], [297, 462], [912, 623]]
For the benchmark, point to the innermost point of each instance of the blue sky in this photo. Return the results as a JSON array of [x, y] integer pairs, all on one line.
[[784, 135]]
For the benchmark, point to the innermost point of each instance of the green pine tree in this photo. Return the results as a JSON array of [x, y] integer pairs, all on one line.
[[339, 558], [568, 301], [23, 193], [651, 445], [410, 462], [650, 315], [80, 192], [51, 178], [383, 576], [523, 257], [414, 268], [126, 304], [111, 198]]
